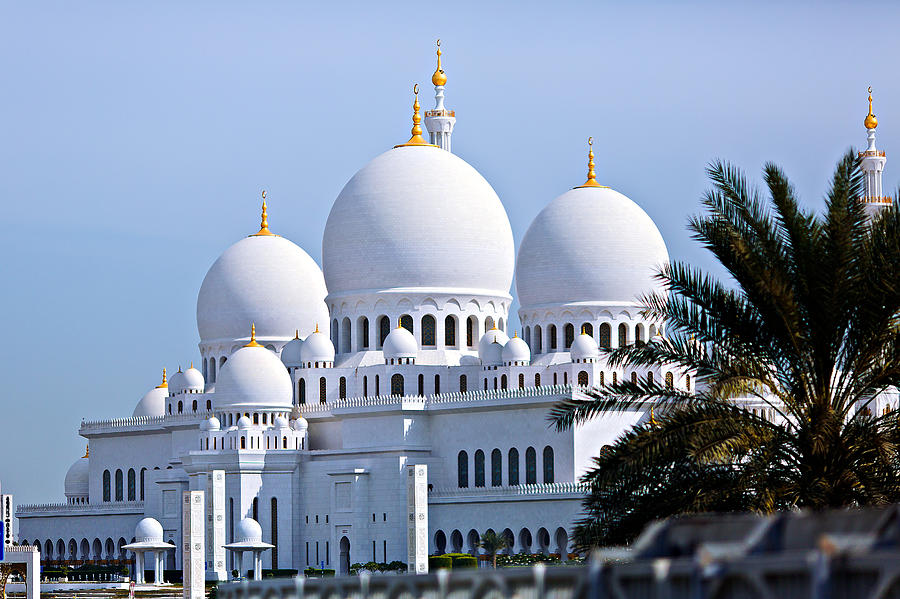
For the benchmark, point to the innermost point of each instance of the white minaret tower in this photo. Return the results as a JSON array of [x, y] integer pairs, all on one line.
[[872, 164], [439, 121]]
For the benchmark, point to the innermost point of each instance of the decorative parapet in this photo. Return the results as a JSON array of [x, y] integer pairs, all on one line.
[[516, 490], [20, 548], [118, 507], [141, 422]]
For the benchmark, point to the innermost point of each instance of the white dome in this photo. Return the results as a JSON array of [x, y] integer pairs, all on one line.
[[300, 424], [583, 347], [253, 377], [281, 422], [516, 350], [152, 404], [317, 347], [148, 530], [589, 245], [290, 353], [418, 217], [243, 423], [77, 482], [400, 343], [176, 383], [492, 354], [489, 337], [262, 279], [210, 425], [248, 530], [193, 380]]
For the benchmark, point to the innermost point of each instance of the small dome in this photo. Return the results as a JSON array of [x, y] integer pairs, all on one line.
[[584, 347], [492, 355], [176, 383], [292, 351], [77, 482], [248, 530], [152, 404], [210, 425], [317, 348], [253, 377], [516, 350], [300, 424], [193, 380], [400, 343], [148, 530], [243, 423], [489, 337], [281, 422]]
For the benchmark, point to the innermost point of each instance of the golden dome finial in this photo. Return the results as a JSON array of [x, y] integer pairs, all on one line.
[[871, 122], [192, 363], [592, 177], [317, 328], [164, 384], [416, 139], [264, 221], [179, 368], [253, 342], [439, 77], [297, 334], [87, 451]]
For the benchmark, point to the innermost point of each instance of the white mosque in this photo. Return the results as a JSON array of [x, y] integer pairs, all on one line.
[[316, 387]]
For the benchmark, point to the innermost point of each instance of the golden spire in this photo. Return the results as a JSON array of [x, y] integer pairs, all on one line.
[[179, 368], [871, 122], [264, 221], [317, 328], [416, 139], [592, 177], [192, 363], [253, 342], [439, 78], [164, 384], [297, 334], [87, 451]]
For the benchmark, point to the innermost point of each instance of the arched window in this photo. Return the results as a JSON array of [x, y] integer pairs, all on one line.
[[548, 465], [565, 378], [639, 334], [384, 329], [437, 384], [120, 486], [479, 468], [243, 443], [335, 338], [143, 471], [301, 390], [365, 386], [462, 470], [132, 484], [634, 377], [495, 383], [615, 379], [421, 384], [342, 388], [670, 381], [605, 335], [538, 340], [537, 379], [485, 384], [521, 381], [323, 390], [180, 406], [106, 485], [450, 331], [651, 332], [551, 332], [530, 466], [513, 467], [602, 382], [212, 370], [428, 330], [555, 381], [623, 335], [569, 332], [345, 336], [588, 329], [397, 384], [470, 331], [649, 378], [194, 406], [377, 390], [503, 382], [583, 378], [501, 325], [496, 468], [274, 529], [406, 322], [687, 382], [362, 333], [488, 324], [463, 383]]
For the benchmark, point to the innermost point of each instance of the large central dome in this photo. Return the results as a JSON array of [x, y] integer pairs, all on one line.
[[418, 217]]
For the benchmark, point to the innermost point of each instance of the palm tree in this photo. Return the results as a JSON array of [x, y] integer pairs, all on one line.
[[806, 324], [492, 543]]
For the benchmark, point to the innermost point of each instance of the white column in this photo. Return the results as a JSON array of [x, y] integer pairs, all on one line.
[[257, 565], [139, 567], [158, 570]]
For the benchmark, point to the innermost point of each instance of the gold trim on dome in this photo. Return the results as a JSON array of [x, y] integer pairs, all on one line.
[[164, 384], [253, 342], [592, 177], [87, 451], [416, 139], [439, 77], [264, 221], [871, 122]]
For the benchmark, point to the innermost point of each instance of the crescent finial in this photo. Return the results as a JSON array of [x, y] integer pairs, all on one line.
[[590, 141], [416, 89], [263, 194], [439, 42]]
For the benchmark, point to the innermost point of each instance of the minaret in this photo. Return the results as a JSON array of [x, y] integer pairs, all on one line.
[[439, 121], [871, 162]]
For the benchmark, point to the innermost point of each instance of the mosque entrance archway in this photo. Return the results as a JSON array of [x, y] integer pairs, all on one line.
[[345, 557]]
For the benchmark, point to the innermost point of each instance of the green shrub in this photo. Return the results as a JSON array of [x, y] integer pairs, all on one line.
[[464, 561], [318, 572], [437, 562], [279, 573]]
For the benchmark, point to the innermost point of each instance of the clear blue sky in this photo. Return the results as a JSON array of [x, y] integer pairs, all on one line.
[[135, 139]]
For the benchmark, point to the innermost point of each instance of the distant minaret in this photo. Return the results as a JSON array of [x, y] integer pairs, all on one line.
[[872, 164], [439, 121]]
